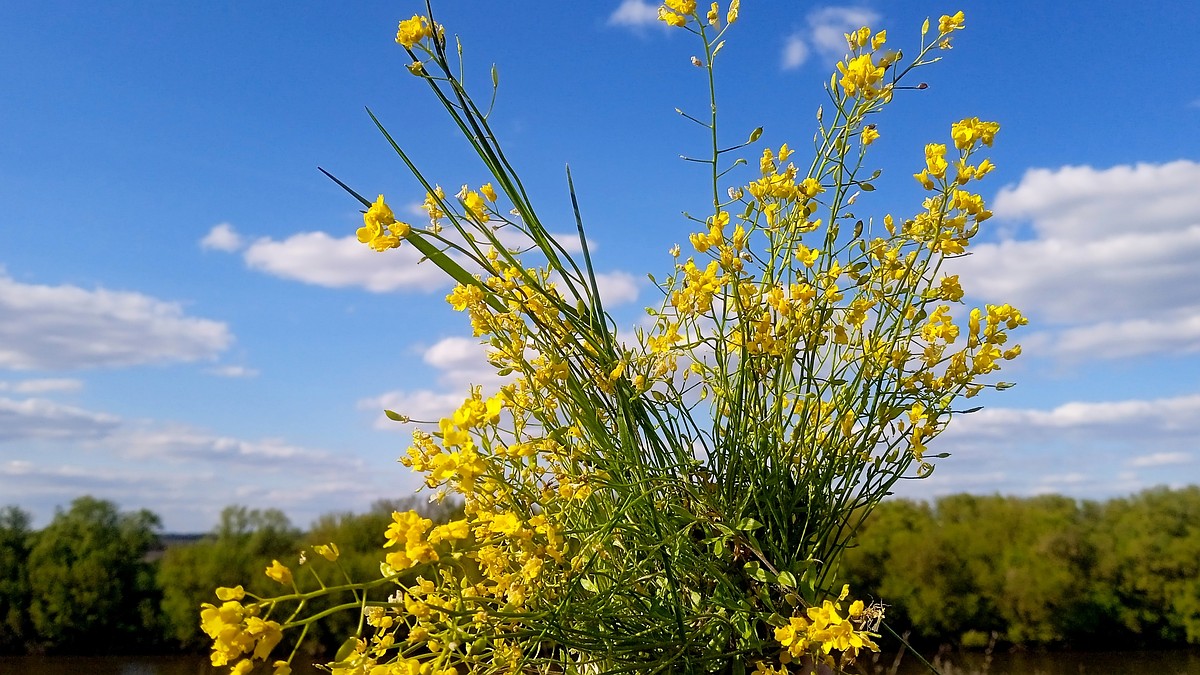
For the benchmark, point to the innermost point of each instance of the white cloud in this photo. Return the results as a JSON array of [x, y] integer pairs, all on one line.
[[635, 14], [1146, 418], [829, 26], [422, 406], [1091, 449], [825, 33], [67, 327], [41, 419], [1108, 269], [1161, 459], [183, 473], [616, 288], [795, 52], [178, 444], [456, 353], [222, 237], [233, 371], [461, 363], [42, 386], [319, 259]]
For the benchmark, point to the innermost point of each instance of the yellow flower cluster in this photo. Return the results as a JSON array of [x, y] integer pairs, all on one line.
[[381, 231], [408, 530], [411, 31], [237, 629], [602, 483], [677, 13], [823, 629]]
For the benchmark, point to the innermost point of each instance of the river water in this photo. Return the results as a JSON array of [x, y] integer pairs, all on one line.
[[1021, 663]]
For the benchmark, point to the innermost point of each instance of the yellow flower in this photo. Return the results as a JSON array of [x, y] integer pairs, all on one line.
[[879, 39], [869, 134], [794, 636], [949, 289], [949, 24], [329, 552], [860, 75], [431, 204], [476, 208], [279, 572], [935, 159], [412, 31], [380, 229], [681, 6], [924, 179], [235, 593], [968, 131], [281, 668], [455, 529], [714, 16], [671, 18], [505, 524], [732, 16], [807, 256], [489, 192]]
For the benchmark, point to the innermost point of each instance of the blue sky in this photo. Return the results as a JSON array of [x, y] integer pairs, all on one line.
[[186, 321]]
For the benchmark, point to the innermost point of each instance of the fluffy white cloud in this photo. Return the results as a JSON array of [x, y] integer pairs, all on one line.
[[1162, 459], [222, 237], [41, 419], [66, 327], [825, 33], [460, 362], [457, 354], [1108, 264], [795, 52], [179, 444], [1082, 448], [42, 386], [635, 14], [616, 288], [423, 406], [319, 259], [234, 371], [55, 453]]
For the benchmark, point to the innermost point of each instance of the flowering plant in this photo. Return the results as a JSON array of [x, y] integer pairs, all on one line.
[[676, 502]]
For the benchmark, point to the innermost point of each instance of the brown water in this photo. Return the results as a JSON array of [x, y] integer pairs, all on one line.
[[1071, 663], [1181, 662], [118, 665]]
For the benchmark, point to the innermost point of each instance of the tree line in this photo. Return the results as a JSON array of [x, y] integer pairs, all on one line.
[[965, 570]]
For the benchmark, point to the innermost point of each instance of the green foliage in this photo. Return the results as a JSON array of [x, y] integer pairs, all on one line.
[[1042, 571], [1038, 571], [90, 587], [15, 629], [358, 538], [1149, 563], [242, 545]]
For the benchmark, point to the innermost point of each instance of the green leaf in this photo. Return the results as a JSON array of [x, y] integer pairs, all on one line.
[[748, 525], [346, 649], [787, 579], [755, 571]]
